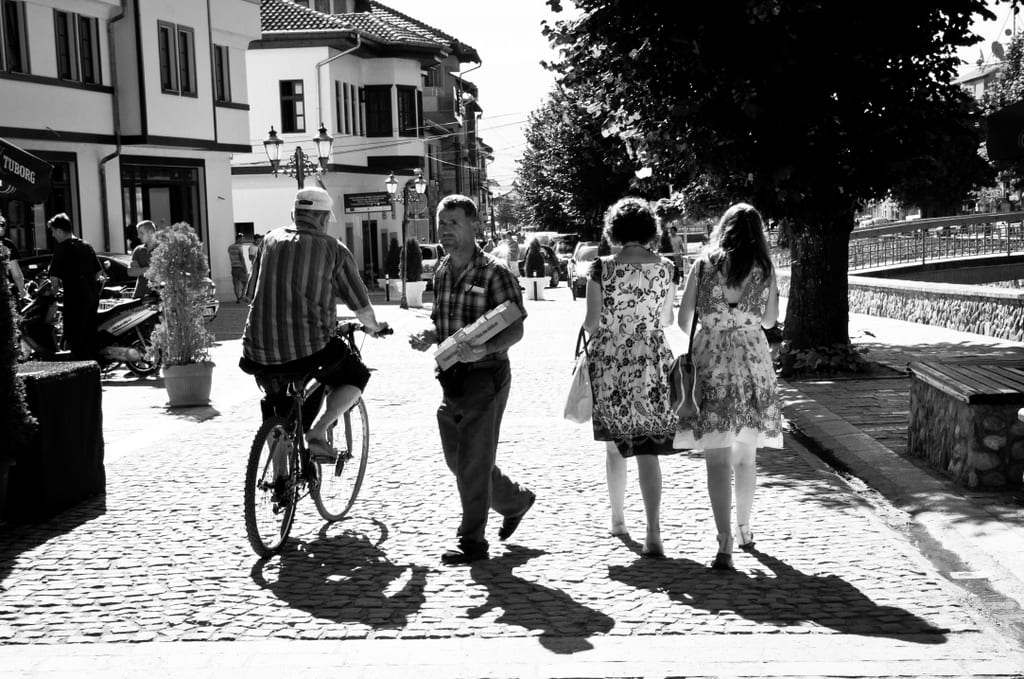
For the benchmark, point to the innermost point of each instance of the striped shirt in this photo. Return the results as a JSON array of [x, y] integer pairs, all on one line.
[[296, 278], [481, 286]]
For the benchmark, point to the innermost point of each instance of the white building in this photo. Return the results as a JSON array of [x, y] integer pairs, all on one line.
[[360, 69], [138, 105]]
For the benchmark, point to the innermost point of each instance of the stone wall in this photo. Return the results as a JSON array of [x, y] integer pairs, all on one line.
[[992, 311], [977, 445]]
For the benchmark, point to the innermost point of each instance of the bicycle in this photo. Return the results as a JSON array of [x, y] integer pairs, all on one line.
[[281, 471]]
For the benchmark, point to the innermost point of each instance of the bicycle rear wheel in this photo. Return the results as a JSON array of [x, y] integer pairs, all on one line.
[[271, 486], [339, 481]]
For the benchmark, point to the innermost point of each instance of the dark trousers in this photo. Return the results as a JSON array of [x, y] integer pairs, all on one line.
[[470, 419], [79, 321]]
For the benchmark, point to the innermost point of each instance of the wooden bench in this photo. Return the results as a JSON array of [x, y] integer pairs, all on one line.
[[963, 420]]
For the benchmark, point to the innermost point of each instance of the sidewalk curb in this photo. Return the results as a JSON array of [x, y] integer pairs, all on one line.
[[980, 539]]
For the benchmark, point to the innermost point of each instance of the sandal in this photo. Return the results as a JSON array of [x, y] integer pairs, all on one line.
[[321, 452]]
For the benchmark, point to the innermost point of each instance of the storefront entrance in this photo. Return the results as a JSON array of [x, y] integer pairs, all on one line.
[[164, 190]]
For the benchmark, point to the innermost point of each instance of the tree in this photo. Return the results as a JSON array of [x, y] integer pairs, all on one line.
[[804, 109], [569, 173], [1006, 89]]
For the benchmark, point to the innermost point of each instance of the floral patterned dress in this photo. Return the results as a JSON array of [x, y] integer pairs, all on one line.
[[736, 381], [630, 359]]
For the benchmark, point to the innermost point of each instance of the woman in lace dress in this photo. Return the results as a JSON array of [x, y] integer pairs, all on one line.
[[629, 300], [734, 293]]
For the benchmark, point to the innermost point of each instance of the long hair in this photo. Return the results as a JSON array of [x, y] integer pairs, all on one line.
[[738, 239]]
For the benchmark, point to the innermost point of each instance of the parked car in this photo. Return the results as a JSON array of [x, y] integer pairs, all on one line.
[[564, 244], [432, 254], [550, 264]]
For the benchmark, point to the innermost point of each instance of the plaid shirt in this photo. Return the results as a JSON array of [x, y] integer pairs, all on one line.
[[481, 286], [296, 278]]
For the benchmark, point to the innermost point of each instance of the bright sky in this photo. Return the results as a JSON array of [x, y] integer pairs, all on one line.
[[1001, 29], [507, 35]]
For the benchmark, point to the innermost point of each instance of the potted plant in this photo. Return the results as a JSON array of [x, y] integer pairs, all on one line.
[[411, 271], [178, 269]]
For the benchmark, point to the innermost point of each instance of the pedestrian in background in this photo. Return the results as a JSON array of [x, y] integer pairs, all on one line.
[[141, 256], [5, 241], [468, 284], [534, 261], [238, 256], [76, 270], [630, 299], [734, 293]]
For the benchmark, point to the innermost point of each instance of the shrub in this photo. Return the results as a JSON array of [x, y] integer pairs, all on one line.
[[16, 421], [413, 263], [179, 269]]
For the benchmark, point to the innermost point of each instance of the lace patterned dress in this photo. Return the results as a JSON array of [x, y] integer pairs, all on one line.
[[630, 359], [735, 377]]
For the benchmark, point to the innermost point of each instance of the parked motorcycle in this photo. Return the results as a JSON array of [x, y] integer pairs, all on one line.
[[123, 329]]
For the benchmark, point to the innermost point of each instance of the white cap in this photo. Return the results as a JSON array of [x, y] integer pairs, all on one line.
[[315, 198]]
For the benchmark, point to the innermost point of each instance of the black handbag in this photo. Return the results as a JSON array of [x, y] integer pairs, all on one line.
[[683, 374]]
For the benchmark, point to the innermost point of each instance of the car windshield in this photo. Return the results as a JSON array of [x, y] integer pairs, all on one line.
[[587, 253]]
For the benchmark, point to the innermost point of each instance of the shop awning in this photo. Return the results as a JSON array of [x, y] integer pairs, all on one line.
[[1006, 133], [23, 174]]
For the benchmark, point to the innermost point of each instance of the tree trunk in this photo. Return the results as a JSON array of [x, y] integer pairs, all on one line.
[[817, 310]]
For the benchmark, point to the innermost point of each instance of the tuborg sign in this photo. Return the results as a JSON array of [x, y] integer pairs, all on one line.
[[23, 174]]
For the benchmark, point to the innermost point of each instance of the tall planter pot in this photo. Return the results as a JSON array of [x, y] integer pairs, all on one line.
[[188, 385]]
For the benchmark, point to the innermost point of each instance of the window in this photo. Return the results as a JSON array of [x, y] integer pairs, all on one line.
[[13, 38], [353, 97], [293, 107], [177, 47], [187, 60], [378, 111], [361, 107], [323, 6], [221, 74], [168, 58], [348, 110], [408, 125], [78, 47], [338, 112]]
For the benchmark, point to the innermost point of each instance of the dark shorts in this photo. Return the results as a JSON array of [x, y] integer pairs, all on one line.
[[334, 365]]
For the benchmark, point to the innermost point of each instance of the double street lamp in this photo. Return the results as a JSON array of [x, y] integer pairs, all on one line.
[[418, 186], [299, 164]]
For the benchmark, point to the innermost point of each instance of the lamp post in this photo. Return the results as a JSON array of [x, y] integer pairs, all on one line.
[[299, 164], [419, 186]]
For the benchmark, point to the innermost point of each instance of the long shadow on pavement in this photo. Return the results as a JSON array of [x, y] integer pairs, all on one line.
[[563, 622], [22, 535], [784, 597], [345, 578]]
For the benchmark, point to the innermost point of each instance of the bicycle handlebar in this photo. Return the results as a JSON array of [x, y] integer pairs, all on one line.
[[347, 327]]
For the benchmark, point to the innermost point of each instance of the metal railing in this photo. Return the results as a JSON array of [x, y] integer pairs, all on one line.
[[922, 240]]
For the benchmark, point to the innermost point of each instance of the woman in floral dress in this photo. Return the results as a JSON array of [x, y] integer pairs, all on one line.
[[630, 299], [734, 293]]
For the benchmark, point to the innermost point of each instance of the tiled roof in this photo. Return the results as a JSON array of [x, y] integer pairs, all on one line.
[[381, 24], [282, 16]]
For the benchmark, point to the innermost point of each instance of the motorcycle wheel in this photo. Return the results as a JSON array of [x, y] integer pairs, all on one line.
[[144, 367]]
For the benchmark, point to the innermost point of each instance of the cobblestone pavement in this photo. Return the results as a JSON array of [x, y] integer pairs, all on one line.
[[157, 575]]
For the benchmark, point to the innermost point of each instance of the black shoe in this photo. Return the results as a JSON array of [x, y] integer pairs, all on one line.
[[465, 553], [722, 562], [510, 523], [279, 496]]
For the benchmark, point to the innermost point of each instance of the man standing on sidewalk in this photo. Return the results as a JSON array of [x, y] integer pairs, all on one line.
[[239, 258], [142, 254], [75, 269], [468, 284]]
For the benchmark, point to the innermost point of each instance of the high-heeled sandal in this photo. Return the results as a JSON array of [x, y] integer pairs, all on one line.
[[746, 537], [723, 560]]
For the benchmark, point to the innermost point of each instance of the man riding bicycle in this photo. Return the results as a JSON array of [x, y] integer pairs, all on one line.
[[298, 274]]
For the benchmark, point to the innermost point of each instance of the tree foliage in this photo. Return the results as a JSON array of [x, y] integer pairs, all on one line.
[[803, 108], [1008, 88], [569, 172]]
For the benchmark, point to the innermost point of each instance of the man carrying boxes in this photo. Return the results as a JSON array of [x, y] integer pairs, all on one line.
[[478, 314]]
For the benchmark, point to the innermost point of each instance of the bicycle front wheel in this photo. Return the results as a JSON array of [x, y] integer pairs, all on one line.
[[271, 486], [339, 481]]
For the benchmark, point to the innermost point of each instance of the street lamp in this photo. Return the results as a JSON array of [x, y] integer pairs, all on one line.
[[299, 165], [418, 185]]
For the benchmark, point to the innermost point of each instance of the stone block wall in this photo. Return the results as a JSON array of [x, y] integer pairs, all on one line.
[[977, 445], [991, 311]]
